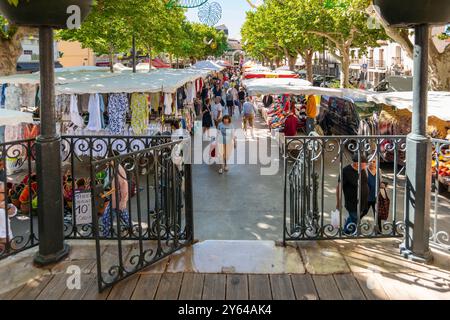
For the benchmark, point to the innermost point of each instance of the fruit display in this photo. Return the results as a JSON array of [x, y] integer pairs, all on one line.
[[441, 165]]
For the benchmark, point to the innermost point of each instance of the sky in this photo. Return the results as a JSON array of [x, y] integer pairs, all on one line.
[[233, 15]]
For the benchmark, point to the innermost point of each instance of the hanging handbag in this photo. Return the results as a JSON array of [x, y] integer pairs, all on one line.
[[384, 204]]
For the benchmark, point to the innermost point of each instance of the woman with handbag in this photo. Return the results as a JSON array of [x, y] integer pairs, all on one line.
[[382, 199]]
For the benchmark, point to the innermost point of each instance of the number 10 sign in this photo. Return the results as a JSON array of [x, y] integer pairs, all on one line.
[[83, 207]]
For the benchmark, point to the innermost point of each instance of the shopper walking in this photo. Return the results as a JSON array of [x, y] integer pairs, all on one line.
[[230, 102], [207, 121], [241, 96], [217, 111], [249, 116], [226, 139]]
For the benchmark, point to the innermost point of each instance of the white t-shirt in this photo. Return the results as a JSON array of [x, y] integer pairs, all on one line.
[[216, 109], [3, 226]]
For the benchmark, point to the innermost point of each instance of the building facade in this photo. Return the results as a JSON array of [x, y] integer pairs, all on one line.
[[73, 55]]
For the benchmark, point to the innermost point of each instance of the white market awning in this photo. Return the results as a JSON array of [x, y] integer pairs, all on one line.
[[61, 77], [438, 102], [161, 80], [12, 118], [208, 65], [278, 86]]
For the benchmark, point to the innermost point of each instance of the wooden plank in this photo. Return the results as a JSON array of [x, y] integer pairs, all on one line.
[[124, 289], [33, 288], [326, 287], [78, 294], [371, 286], [55, 288], [92, 291], [349, 287], [304, 287], [398, 288], [192, 286], [259, 287], [146, 287], [169, 286], [9, 295], [237, 287], [282, 287], [214, 287]]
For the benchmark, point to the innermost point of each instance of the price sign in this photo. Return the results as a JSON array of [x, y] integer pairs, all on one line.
[[83, 207]]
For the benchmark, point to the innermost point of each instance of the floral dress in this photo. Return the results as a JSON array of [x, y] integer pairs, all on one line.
[[117, 111], [139, 113]]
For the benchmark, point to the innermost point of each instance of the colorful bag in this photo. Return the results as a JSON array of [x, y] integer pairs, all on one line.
[[384, 204]]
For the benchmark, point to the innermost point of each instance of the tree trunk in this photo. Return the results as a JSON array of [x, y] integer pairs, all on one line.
[[11, 50], [309, 65], [440, 70], [111, 58], [292, 60], [345, 70]]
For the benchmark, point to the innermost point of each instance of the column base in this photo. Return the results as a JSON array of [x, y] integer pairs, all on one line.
[[42, 261], [425, 258]]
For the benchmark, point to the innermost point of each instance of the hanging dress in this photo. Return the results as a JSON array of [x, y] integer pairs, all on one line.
[[117, 112], [95, 115], [75, 117], [139, 113], [168, 100]]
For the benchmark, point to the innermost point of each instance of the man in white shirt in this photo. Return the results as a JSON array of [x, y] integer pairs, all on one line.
[[217, 111]]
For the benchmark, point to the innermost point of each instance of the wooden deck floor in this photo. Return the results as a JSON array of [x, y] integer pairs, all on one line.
[[194, 286]]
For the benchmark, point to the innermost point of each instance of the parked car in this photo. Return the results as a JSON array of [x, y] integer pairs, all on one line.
[[342, 116]]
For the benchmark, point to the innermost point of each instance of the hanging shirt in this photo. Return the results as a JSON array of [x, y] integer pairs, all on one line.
[[168, 100], [13, 98], [139, 113], [75, 117], [117, 111], [28, 95], [190, 93], [95, 114], [181, 96], [62, 105], [102, 111], [2, 95], [154, 101]]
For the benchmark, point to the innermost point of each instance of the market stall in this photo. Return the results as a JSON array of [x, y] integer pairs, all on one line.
[[93, 102], [395, 118]]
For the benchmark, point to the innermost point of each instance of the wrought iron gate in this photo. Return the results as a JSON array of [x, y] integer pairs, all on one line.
[[313, 166], [142, 210]]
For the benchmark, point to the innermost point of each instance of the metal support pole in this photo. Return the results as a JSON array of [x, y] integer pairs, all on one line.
[[189, 198], [48, 162], [418, 158], [134, 55]]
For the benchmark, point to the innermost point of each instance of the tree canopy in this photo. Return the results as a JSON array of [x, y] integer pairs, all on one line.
[[157, 29], [292, 27]]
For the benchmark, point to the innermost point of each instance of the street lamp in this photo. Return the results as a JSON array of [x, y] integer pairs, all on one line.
[[417, 14], [47, 15]]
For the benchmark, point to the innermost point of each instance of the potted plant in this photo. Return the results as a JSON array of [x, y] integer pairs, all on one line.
[[36, 13], [402, 13]]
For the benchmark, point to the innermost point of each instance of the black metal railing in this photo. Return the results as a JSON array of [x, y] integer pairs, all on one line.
[[440, 208], [133, 231], [18, 197], [316, 202], [78, 152]]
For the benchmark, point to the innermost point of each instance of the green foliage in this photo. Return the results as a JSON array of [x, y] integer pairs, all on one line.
[[157, 29], [6, 30]]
